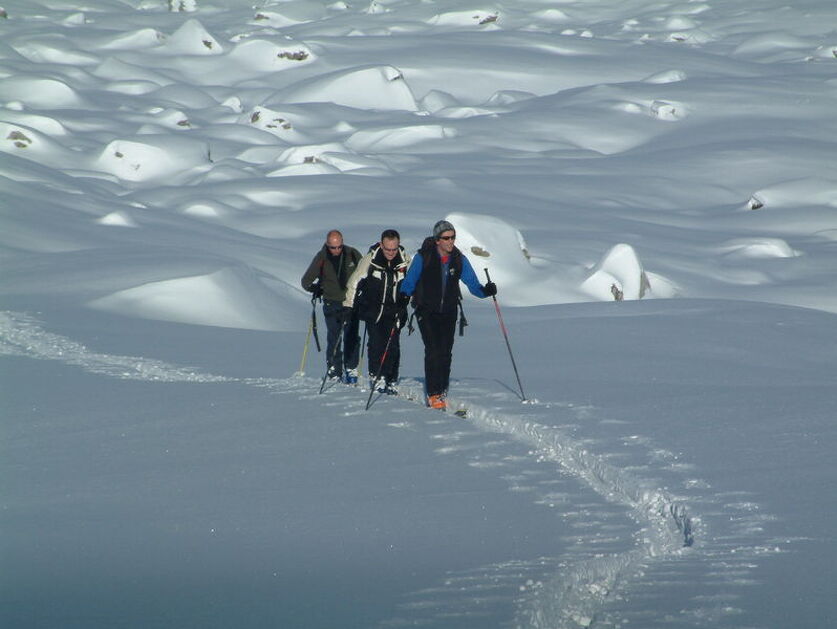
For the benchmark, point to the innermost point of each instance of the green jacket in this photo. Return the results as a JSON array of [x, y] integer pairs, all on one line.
[[334, 286]]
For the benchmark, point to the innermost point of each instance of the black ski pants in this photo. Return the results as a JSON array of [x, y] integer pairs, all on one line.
[[438, 332], [346, 356], [379, 336]]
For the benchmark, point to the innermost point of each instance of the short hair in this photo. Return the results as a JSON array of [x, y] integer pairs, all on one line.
[[389, 234]]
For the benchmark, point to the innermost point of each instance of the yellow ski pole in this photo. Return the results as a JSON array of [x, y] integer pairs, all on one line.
[[301, 371]]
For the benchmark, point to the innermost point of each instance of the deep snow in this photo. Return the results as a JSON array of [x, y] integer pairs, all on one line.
[[166, 176]]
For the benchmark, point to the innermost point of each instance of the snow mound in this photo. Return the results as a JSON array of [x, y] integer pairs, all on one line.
[[670, 111], [668, 76], [758, 248], [796, 193], [397, 137], [40, 93], [375, 87], [59, 52], [151, 157], [31, 144], [117, 219], [619, 275], [490, 242], [43, 124], [265, 56], [192, 39], [464, 18], [133, 40], [229, 298]]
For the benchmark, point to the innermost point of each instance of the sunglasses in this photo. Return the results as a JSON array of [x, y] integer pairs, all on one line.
[[447, 237]]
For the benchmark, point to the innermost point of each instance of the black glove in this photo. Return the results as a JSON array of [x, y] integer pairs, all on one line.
[[345, 314], [490, 289], [317, 290], [403, 301]]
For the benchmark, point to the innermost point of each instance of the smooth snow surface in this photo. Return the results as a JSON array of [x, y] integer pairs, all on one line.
[[650, 184]]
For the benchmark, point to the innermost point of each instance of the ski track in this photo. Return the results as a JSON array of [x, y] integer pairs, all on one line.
[[577, 590]]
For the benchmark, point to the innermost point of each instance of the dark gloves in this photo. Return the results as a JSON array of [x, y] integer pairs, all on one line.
[[403, 300], [316, 290], [490, 289]]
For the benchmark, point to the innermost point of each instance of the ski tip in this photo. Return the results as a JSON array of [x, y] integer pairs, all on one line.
[[462, 412]]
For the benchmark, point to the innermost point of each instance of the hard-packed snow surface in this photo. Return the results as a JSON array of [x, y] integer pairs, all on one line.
[[652, 187]]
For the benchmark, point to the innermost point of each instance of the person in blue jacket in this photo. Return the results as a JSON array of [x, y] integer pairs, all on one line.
[[433, 283]]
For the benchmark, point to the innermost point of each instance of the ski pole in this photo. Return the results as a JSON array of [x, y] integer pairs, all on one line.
[[381, 366], [305, 350], [333, 354], [506, 336]]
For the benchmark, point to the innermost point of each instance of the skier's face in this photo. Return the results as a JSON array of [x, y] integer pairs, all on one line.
[[445, 242], [390, 247]]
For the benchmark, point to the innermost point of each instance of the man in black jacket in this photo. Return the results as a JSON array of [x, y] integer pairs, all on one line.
[[373, 293], [433, 281], [327, 277]]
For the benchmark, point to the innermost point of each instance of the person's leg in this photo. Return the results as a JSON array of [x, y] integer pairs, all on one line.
[[377, 340], [447, 334], [436, 347], [334, 357], [351, 344]]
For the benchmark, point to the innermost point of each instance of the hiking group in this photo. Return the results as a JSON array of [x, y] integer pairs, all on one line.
[[376, 288]]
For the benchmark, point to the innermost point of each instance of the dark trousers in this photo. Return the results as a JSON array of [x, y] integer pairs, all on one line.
[[347, 355], [438, 332], [378, 339]]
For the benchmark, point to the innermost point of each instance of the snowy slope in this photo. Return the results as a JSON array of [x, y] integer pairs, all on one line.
[[168, 169]]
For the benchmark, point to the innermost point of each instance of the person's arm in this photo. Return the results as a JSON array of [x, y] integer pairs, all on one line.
[[470, 279], [312, 273], [408, 286], [359, 273]]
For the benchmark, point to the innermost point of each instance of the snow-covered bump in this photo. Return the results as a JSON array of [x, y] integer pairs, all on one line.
[[397, 137], [40, 93], [117, 219], [192, 39], [369, 87], [619, 276], [670, 111], [811, 191], [131, 40], [480, 17], [274, 122], [152, 157], [231, 297], [758, 248], [54, 49], [45, 124], [668, 76], [266, 56]]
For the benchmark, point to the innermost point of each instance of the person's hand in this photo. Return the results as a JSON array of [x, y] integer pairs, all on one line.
[[345, 314], [403, 301], [490, 289], [317, 290]]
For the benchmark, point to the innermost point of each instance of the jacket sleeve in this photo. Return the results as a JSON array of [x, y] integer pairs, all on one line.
[[360, 272], [408, 286], [312, 273], [469, 277]]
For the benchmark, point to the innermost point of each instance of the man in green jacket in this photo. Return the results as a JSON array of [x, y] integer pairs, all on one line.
[[327, 277]]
